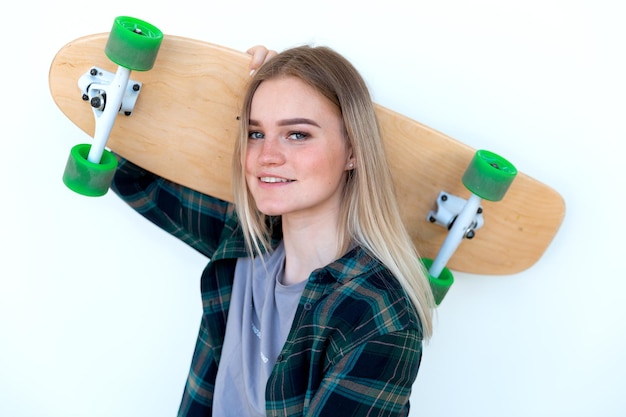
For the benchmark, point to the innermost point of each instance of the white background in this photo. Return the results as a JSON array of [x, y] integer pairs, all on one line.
[[99, 310]]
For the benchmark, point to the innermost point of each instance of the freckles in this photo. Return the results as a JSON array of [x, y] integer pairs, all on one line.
[[248, 161]]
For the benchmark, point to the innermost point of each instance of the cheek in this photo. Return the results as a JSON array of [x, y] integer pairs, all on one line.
[[248, 160], [249, 169], [332, 167]]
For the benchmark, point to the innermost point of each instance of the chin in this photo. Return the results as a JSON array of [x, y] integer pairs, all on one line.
[[270, 211]]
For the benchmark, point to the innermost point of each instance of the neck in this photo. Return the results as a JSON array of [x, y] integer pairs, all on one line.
[[309, 244]]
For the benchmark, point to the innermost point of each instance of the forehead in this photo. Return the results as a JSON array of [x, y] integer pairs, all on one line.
[[290, 97]]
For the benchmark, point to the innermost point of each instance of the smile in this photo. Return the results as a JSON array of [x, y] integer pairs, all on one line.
[[273, 180]]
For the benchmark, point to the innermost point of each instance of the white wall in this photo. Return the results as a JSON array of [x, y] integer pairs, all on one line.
[[99, 310]]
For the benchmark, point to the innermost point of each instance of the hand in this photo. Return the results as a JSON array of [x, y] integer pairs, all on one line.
[[260, 55]]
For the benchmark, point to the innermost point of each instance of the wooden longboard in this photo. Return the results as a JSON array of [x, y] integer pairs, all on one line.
[[184, 125]]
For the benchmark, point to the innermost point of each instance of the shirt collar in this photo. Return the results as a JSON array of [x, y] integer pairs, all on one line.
[[353, 263], [234, 245]]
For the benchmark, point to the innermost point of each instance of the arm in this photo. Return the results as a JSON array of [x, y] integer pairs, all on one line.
[[188, 215]]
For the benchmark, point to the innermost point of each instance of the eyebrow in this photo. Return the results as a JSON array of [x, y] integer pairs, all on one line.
[[289, 122]]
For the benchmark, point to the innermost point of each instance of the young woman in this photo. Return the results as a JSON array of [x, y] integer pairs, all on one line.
[[314, 299]]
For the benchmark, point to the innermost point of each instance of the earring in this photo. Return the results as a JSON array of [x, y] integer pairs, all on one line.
[[351, 165]]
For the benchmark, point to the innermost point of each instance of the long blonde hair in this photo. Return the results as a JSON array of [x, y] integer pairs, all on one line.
[[370, 216]]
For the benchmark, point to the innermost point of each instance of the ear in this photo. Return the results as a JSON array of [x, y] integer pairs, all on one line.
[[351, 162]]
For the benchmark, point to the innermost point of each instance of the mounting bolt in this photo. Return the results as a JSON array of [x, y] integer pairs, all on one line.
[[97, 102]]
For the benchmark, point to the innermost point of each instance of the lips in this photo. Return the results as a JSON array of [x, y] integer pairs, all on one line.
[[274, 180]]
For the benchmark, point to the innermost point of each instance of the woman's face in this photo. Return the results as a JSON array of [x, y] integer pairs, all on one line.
[[297, 155]]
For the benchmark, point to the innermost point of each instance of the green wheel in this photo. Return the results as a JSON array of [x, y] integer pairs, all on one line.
[[439, 285], [88, 178], [489, 175], [133, 43]]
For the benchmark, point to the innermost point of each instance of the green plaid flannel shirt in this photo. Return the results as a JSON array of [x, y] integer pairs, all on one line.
[[355, 345]]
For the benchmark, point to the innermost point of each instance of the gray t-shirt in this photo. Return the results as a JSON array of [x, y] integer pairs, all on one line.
[[259, 319]]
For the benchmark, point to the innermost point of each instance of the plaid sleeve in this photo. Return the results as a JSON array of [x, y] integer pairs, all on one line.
[[375, 379], [193, 217]]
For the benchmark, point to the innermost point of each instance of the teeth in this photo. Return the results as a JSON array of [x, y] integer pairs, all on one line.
[[273, 179]]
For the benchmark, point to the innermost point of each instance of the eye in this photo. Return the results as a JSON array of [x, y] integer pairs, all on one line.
[[255, 135], [298, 135]]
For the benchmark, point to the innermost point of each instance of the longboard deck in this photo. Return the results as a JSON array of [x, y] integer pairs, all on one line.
[[185, 123]]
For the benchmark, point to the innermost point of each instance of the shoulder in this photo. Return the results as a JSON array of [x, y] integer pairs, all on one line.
[[366, 297]]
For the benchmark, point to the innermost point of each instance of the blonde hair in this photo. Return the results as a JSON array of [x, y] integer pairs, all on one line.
[[370, 216]]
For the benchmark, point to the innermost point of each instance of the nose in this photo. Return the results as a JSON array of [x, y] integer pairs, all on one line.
[[271, 152]]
